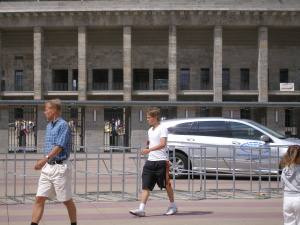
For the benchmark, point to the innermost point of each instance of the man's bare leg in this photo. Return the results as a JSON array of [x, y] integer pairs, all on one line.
[[38, 209]]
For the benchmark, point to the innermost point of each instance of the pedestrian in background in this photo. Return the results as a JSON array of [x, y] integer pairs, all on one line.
[[56, 171], [156, 168], [290, 179]]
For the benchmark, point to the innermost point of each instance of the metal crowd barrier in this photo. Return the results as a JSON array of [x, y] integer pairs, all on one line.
[[256, 181], [103, 173], [101, 167]]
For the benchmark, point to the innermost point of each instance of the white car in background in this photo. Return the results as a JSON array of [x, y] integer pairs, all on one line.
[[227, 145]]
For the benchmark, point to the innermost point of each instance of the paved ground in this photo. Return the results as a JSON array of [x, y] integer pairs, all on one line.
[[220, 205]]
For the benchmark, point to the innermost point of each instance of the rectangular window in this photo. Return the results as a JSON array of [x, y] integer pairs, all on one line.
[[100, 79], [161, 79], [246, 113], [243, 131], [245, 79], [185, 79], [75, 80], [19, 113], [204, 78], [2, 80], [140, 79], [19, 76], [283, 75], [117, 79], [209, 128], [60, 80], [299, 79], [225, 79]]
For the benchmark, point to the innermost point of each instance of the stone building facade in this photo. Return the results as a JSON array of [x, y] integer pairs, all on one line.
[[235, 58]]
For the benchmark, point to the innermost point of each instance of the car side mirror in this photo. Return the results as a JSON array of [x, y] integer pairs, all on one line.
[[264, 138]]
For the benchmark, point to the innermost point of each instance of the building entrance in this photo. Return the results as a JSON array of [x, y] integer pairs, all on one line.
[[117, 126], [22, 127]]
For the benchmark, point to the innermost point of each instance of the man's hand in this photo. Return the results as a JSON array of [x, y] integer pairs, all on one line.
[[40, 164], [145, 151]]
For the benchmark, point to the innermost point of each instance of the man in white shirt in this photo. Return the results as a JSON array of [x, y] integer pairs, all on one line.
[[156, 169]]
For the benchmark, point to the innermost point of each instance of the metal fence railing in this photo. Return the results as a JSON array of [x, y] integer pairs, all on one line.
[[113, 173]]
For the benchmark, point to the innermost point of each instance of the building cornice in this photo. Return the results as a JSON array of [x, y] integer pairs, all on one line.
[[150, 13], [215, 6]]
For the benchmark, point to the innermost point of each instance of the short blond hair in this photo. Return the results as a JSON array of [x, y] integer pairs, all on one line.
[[56, 104], [154, 112]]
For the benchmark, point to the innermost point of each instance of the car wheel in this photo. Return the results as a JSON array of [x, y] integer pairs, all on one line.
[[179, 165]]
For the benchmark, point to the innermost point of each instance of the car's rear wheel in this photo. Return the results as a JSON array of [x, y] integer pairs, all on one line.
[[179, 165]]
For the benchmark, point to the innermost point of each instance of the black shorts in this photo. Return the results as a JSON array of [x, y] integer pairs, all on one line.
[[155, 172]]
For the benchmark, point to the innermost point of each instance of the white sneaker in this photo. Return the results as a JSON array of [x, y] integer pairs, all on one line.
[[137, 212], [171, 211]]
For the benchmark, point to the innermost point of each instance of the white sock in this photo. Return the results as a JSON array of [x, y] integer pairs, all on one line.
[[172, 204], [142, 206]]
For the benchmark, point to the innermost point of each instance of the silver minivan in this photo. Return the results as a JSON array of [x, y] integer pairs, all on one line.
[[225, 145]]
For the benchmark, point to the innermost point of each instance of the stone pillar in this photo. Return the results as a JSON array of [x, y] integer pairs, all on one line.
[[172, 63], [217, 66], [37, 62], [127, 63], [82, 67], [262, 66]]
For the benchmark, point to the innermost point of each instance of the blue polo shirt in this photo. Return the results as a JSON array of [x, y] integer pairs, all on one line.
[[58, 133]]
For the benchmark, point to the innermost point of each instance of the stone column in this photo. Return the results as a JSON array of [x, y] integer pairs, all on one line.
[[262, 66], [217, 66], [82, 66], [37, 62], [172, 63], [127, 47]]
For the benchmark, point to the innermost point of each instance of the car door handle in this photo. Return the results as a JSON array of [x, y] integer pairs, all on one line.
[[236, 143], [190, 139]]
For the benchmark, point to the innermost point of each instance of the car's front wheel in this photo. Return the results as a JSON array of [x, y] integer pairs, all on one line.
[[179, 164]]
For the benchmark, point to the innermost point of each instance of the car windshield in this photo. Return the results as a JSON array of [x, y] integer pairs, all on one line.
[[274, 133]]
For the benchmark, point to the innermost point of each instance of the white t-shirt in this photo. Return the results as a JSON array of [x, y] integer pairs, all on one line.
[[154, 137]]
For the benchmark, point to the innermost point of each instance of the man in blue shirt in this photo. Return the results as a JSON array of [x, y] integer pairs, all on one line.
[[56, 171]]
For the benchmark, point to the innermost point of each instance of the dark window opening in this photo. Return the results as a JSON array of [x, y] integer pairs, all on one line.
[[140, 79], [117, 79], [204, 77], [246, 113], [18, 57], [245, 79], [60, 80], [19, 113], [161, 79], [75, 80], [2, 80], [225, 79], [19, 83], [284, 76], [184, 79], [100, 79]]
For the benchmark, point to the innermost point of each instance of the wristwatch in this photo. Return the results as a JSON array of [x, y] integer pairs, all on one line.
[[47, 156]]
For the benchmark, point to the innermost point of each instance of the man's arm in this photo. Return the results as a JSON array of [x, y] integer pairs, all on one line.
[[57, 149], [162, 144]]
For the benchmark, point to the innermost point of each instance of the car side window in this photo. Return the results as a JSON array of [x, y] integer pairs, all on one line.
[[180, 129], [209, 128], [243, 131]]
